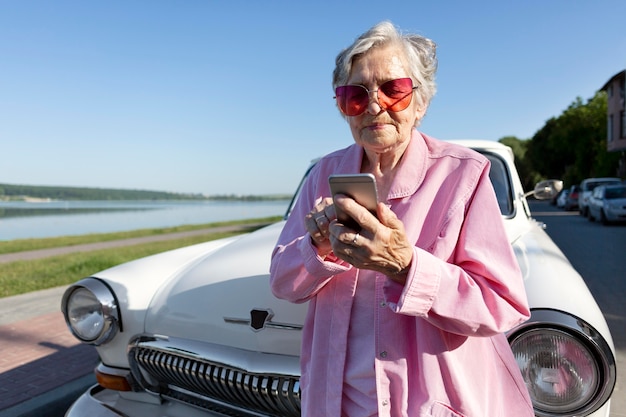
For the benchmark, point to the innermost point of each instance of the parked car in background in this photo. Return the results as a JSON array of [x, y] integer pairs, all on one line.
[[572, 198], [586, 188], [556, 197], [562, 198], [197, 332], [607, 204]]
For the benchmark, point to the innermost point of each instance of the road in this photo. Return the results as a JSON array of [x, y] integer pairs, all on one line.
[[597, 252]]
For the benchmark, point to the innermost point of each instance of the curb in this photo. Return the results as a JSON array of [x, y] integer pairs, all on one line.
[[53, 403]]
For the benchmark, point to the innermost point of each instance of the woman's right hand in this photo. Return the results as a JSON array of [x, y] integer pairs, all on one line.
[[317, 222]]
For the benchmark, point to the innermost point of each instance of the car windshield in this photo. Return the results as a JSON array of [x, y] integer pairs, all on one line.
[[498, 174], [614, 193], [592, 185]]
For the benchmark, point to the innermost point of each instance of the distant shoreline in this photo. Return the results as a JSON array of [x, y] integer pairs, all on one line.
[[35, 200], [36, 193]]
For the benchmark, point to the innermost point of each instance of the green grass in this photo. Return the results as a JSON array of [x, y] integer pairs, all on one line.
[[20, 277], [20, 245]]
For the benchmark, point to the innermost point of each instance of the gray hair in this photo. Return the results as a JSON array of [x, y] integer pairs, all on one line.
[[420, 53]]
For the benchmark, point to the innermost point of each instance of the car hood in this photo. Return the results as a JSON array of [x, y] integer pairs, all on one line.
[[225, 298], [616, 201], [551, 281]]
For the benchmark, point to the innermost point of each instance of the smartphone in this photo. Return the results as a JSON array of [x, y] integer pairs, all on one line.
[[360, 187]]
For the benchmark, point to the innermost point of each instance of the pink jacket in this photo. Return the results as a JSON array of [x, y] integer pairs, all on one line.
[[446, 354]]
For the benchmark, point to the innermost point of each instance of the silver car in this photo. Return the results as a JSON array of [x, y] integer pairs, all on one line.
[[197, 332], [562, 199], [586, 189], [608, 204]]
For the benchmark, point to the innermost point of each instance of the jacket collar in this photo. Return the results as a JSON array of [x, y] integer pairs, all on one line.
[[409, 174]]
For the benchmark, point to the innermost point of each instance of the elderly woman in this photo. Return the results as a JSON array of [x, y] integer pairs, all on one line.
[[406, 314]]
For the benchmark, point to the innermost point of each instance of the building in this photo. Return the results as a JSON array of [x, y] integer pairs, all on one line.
[[616, 112]]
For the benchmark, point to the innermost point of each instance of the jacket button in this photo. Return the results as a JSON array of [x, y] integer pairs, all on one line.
[[383, 354]]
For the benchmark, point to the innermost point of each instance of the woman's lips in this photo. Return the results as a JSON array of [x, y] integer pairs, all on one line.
[[376, 126]]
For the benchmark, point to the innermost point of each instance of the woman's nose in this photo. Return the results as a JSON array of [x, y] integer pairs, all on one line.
[[373, 107]]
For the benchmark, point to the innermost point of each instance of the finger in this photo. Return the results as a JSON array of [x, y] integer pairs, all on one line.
[[362, 216], [355, 240], [321, 217], [329, 211], [388, 217], [322, 223], [310, 223], [316, 234]]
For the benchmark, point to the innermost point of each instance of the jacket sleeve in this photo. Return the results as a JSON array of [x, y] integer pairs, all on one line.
[[297, 272], [478, 290]]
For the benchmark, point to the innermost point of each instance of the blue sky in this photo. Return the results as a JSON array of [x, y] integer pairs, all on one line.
[[221, 97]]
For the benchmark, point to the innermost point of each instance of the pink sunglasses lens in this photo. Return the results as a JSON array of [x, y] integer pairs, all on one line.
[[396, 95], [352, 99]]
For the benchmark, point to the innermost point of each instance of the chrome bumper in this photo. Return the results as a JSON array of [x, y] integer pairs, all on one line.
[[100, 402]]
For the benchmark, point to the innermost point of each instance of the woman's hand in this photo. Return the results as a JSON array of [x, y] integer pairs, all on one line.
[[317, 222], [381, 244]]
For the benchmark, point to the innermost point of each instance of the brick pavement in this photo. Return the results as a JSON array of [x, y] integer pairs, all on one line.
[[38, 355]]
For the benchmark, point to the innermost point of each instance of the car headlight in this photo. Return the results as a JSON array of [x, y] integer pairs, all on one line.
[[91, 311], [569, 369]]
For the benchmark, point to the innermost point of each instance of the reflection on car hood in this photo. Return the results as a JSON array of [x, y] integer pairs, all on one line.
[[217, 298]]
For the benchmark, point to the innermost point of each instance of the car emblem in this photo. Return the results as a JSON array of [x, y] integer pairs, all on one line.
[[258, 318], [261, 318]]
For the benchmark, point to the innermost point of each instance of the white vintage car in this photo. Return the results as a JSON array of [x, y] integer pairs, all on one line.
[[197, 332]]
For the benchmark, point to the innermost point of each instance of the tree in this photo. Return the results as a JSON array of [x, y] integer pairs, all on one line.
[[520, 147], [573, 146]]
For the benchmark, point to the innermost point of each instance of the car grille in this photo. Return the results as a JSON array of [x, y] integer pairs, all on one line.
[[224, 389]]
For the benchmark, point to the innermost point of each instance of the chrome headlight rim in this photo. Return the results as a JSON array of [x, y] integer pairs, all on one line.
[[590, 338], [107, 305]]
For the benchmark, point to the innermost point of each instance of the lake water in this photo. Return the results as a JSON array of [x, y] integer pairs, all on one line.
[[23, 220]]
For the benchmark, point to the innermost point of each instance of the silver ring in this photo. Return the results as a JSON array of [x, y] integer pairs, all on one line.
[[356, 237], [319, 218]]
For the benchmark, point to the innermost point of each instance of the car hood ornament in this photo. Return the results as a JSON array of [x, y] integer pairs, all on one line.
[[261, 318], [258, 318]]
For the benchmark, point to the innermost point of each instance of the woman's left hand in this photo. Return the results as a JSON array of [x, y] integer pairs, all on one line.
[[381, 244]]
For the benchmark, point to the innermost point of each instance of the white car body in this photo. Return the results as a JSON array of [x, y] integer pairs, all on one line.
[[562, 199], [607, 204], [586, 188], [197, 332]]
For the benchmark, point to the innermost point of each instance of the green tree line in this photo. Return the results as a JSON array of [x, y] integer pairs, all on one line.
[[570, 147], [13, 191], [20, 192]]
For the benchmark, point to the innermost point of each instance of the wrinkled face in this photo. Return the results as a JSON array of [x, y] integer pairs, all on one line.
[[378, 130]]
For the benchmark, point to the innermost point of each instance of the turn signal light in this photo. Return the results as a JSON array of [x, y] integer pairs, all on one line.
[[113, 382]]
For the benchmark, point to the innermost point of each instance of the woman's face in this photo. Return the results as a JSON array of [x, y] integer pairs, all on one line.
[[375, 129]]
